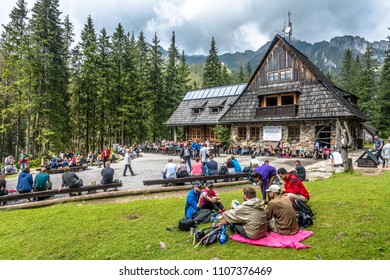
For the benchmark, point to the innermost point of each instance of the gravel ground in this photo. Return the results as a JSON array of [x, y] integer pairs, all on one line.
[[150, 166]]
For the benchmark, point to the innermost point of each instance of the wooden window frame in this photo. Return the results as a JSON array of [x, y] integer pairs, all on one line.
[[212, 110], [240, 131], [281, 75], [279, 99], [196, 111], [292, 132], [196, 133], [256, 134]]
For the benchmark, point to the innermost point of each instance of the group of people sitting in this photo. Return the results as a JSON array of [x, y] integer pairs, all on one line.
[[253, 217]]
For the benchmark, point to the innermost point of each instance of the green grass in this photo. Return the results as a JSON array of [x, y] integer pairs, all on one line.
[[352, 222]]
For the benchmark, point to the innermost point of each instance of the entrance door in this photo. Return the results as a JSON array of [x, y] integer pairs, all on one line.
[[323, 134]]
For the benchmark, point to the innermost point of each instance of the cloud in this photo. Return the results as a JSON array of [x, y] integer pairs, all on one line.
[[236, 25]]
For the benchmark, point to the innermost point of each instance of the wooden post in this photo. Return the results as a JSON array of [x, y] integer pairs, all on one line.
[[344, 141], [174, 134]]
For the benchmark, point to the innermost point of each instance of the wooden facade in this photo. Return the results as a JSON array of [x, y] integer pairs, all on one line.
[[289, 92]]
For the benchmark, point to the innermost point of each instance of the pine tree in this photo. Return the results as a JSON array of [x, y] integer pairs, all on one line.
[[347, 72], [248, 72], [15, 83], [240, 77], [49, 75], [212, 67], [383, 121], [85, 91]]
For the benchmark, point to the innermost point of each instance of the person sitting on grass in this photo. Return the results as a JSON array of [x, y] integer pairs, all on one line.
[[280, 213], [299, 170], [209, 199], [191, 209], [293, 186], [248, 219]]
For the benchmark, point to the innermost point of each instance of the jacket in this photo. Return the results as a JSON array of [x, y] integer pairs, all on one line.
[[250, 214], [191, 203], [25, 182], [182, 153], [293, 185]]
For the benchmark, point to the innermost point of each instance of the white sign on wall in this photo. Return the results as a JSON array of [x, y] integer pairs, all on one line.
[[272, 133]]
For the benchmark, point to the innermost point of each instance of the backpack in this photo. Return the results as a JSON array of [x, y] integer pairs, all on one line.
[[303, 213], [186, 224], [223, 170], [207, 236]]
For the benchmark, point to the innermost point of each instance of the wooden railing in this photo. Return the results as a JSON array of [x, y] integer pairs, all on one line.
[[277, 111]]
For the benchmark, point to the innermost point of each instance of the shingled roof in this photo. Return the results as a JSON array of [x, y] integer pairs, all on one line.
[[221, 97], [319, 99]]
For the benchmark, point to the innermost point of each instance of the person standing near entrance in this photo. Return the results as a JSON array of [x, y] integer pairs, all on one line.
[[128, 160]]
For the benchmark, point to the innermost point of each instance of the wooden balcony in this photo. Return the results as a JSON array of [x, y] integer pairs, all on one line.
[[277, 111]]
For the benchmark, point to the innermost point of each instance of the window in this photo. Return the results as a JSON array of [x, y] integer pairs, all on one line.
[[259, 101], [242, 132], [273, 76], [196, 133], [214, 110], [285, 75], [287, 99], [271, 101], [293, 132], [282, 75], [213, 135], [196, 111], [255, 133]]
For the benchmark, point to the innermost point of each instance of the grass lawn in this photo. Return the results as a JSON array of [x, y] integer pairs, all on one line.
[[352, 222]]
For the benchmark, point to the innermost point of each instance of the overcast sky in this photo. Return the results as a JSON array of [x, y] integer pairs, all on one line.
[[236, 25]]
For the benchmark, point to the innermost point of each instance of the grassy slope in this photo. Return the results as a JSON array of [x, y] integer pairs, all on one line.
[[351, 222]]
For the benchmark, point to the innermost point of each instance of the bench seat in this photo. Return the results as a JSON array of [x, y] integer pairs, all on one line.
[[191, 179], [48, 193]]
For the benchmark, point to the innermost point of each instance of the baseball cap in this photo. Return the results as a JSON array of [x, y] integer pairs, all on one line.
[[273, 188], [209, 184], [197, 184]]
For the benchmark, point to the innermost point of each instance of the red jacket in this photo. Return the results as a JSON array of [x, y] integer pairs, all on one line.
[[294, 185]]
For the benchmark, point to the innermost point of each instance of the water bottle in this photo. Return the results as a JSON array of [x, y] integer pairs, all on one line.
[[222, 236]]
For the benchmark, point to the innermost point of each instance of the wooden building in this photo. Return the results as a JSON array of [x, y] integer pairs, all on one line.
[[289, 99]]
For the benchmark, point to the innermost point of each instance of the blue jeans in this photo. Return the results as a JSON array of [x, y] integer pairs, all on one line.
[[187, 160]]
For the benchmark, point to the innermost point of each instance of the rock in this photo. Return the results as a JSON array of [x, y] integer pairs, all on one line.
[[163, 245], [147, 247]]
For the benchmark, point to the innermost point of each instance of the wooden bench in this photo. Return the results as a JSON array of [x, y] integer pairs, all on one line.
[[89, 189], [190, 179]]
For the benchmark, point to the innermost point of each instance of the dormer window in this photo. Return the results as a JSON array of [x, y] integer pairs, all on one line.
[[196, 111], [214, 110]]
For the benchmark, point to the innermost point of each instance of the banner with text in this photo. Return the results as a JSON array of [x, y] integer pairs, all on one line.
[[272, 133]]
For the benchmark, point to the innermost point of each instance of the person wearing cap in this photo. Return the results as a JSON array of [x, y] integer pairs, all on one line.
[[191, 209], [377, 147], [280, 213], [128, 160], [209, 199], [299, 170], [70, 179], [248, 219], [293, 187], [386, 154]]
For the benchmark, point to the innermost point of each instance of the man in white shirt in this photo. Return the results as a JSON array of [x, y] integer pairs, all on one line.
[[203, 153], [170, 170], [336, 159], [386, 154]]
